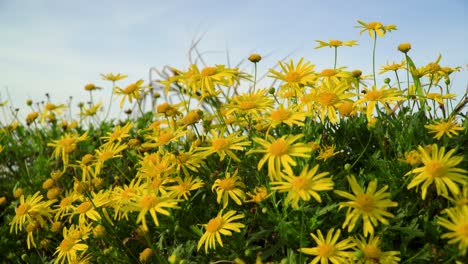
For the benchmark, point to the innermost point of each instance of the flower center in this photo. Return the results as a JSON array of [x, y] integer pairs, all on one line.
[[279, 147], [300, 183], [247, 105], [280, 115], [227, 184], [106, 155], [130, 89], [208, 71], [374, 25], [435, 168], [328, 73], [148, 202], [165, 137], [325, 250], [84, 207], [214, 224], [346, 108], [22, 209], [65, 202], [67, 244], [373, 95], [220, 144], [364, 202], [328, 99], [463, 230], [293, 76], [336, 43], [371, 252]]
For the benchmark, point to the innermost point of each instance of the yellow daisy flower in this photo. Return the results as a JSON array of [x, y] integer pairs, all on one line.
[[366, 204], [220, 225], [439, 169], [121, 198], [304, 186], [457, 226], [188, 161], [259, 194], [279, 153], [250, 104], [132, 91], [327, 152], [113, 77], [372, 253], [184, 186], [230, 186], [385, 95], [224, 145], [329, 249], [66, 145], [88, 209], [149, 201], [290, 117], [375, 28], [449, 128], [295, 77], [31, 210], [107, 152], [91, 111], [70, 246], [393, 67], [328, 98], [118, 133], [334, 43]]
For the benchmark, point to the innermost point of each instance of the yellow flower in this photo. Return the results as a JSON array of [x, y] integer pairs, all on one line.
[[448, 128], [132, 91], [287, 116], [220, 225], [413, 158], [88, 209], [329, 97], [92, 110], [224, 145], [255, 57], [91, 87], [439, 169], [279, 153], [32, 209], [327, 152], [113, 77], [333, 43], [155, 204], [118, 134], [457, 226], [384, 95], [329, 249], [295, 76], [304, 186], [371, 252], [404, 47], [31, 117], [259, 194], [70, 245], [187, 161], [230, 186], [66, 145], [107, 152], [375, 28], [145, 255], [252, 104], [366, 204], [184, 186], [122, 196], [393, 67], [461, 199]]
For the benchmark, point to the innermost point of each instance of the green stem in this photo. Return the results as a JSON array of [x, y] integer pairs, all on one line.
[[255, 76], [110, 101], [373, 57], [336, 56]]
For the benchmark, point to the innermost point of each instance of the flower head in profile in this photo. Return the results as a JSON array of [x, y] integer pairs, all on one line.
[[385, 95], [393, 67], [372, 253], [440, 128], [375, 28], [334, 43], [329, 249], [295, 77], [457, 224], [113, 77], [131, 91], [279, 153], [368, 204], [304, 186], [439, 169], [231, 186], [220, 225]]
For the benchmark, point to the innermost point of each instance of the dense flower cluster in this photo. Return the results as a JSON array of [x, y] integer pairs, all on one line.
[[231, 168]]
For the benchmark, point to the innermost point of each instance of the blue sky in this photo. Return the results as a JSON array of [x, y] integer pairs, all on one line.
[[59, 46]]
